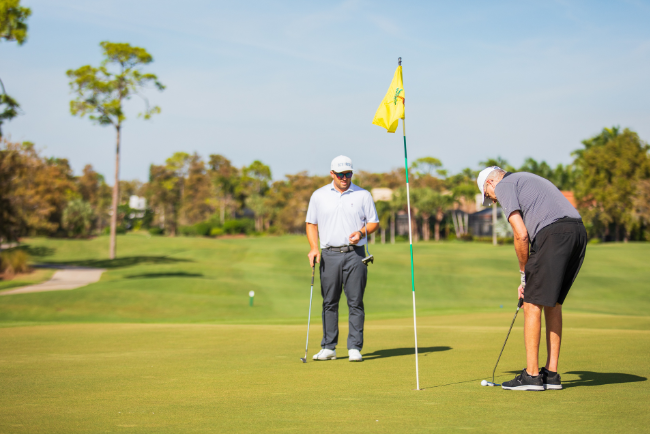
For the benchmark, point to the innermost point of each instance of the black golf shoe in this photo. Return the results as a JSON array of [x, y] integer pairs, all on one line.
[[524, 381], [551, 380]]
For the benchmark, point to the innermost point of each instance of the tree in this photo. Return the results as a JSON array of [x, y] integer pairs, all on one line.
[[13, 28], [611, 166], [562, 176], [93, 189], [431, 203], [198, 202], [39, 189], [502, 163], [101, 93], [225, 178], [426, 166], [162, 195]]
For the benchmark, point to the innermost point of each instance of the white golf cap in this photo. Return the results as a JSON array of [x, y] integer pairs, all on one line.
[[341, 164], [481, 182]]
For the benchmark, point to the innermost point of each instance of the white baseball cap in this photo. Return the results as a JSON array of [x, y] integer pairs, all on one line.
[[341, 164], [481, 182]]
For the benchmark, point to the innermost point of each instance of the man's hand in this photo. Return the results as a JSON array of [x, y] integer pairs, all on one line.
[[520, 292], [314, 255], [355, 238]]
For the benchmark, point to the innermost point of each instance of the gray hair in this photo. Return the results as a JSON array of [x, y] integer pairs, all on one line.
[[495, 174]]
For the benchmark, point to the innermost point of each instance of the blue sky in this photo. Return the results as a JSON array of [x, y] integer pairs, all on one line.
[[295, 84]]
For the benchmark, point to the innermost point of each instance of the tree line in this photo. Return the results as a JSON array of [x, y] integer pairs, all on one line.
[[192, 195]]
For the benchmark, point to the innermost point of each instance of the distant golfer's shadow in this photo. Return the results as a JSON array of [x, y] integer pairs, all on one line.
[[590, 378], [394, 352]]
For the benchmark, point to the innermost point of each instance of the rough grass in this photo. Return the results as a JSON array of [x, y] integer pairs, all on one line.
[[166, 342]]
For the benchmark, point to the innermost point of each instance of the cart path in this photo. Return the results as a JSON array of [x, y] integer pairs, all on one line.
[[66, 279]]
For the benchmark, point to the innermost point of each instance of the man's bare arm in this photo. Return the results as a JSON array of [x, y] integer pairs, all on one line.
[[356, 237], [521, 238], [314, 252]]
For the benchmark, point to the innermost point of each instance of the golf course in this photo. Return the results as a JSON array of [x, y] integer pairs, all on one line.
[[166, 342]]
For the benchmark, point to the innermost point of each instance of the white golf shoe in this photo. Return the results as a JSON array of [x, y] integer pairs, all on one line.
[[354, 356], [325, 354]]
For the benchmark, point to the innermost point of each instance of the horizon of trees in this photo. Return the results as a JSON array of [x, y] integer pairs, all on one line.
[[192, 195]]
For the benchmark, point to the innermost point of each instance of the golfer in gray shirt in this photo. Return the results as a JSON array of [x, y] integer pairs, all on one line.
[[550, 242], [342, 215]]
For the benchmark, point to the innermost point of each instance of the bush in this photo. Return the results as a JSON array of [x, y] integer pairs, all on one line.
[[119, 230], [14, 261], [78, 217], [241, 226], [187, 231], [156, 231], [595, 241], [201, 229], [216, 232]]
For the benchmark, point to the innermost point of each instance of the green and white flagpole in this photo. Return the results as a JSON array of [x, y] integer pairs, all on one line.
[[408, 207]]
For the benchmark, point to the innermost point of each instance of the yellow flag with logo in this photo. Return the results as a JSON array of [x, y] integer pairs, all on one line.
[[391, 109]]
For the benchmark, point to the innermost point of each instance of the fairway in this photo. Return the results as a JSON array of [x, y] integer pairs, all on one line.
[[166, 342]]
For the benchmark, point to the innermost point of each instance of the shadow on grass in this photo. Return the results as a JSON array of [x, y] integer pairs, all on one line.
[[380, 354], [163, 275], [128, 261], [37, 251], [589, 378]]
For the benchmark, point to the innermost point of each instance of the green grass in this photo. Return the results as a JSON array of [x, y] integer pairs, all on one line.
[[166, 280], [166, 342]]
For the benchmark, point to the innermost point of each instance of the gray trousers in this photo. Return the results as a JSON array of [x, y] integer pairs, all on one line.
[[343, 271]]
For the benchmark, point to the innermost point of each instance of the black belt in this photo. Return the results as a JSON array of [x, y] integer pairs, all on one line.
[[340, 249]]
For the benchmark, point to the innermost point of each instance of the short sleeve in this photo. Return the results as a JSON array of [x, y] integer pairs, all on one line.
[[369, 210], [312, 210], [506, 193]]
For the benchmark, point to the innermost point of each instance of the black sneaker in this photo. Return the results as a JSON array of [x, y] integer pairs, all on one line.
[[524, 381], [551, 380]]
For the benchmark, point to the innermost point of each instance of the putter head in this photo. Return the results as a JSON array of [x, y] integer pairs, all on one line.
[[367, 259], [303, 360]]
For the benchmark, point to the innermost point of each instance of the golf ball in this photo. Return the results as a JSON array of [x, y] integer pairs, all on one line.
[[483, 383]]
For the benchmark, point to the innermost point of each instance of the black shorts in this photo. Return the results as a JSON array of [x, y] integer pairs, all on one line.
[[556, 256]]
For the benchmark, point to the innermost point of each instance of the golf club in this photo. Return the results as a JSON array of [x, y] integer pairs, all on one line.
[[311, 294], [368, 258], [492, 383]]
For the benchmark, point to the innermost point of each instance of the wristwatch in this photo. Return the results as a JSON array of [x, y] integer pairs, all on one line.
[[362, 235]]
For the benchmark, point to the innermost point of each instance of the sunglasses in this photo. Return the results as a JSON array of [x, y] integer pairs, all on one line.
[[343, 175]]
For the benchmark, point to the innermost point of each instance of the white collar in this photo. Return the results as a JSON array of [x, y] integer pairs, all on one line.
[[350, 189]]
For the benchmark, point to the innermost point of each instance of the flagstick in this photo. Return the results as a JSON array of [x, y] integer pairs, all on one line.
[[408, 207]]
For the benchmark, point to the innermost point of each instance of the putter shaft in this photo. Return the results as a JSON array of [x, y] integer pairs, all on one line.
[[519, 304], [311, 294]]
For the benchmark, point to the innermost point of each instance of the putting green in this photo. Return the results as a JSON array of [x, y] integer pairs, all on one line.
[[166, 342], [248, 378]]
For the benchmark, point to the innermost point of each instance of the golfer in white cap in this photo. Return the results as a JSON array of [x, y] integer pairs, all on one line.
[[541, 216], [341, 215]]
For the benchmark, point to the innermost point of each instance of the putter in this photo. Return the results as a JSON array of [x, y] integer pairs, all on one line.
[[368, 258], [311, 294], [492, 383]]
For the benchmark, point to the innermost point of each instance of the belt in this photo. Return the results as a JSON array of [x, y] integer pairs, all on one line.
[[340, 249]]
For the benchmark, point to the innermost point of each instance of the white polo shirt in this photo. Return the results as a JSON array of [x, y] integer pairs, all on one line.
[[338, 215]]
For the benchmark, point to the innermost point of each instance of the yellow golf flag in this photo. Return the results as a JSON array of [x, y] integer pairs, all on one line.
[[391, 109]]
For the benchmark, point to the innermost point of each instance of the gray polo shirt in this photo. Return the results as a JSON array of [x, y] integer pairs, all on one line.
[[539, 200], [338, 215]]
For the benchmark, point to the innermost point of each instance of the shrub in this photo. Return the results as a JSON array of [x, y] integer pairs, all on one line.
[[78, 217], [595, 241], [120, 230], [241, 226], [14, 261], [203, 228], [216, 232], [156, 231], [187, 231]]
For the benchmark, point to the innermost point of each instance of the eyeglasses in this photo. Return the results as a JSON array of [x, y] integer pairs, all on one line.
[[343, 175]]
